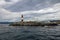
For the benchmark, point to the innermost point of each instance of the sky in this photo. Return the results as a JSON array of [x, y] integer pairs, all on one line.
[[35, 10]]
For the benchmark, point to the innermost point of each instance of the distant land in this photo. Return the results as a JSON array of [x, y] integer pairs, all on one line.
[[5, 22]]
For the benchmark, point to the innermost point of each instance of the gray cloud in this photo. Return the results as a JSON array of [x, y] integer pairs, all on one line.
[[8, 0], [31, 9], [26, 5]]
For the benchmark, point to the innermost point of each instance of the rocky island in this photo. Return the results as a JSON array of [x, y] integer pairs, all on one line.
[[34, 23]]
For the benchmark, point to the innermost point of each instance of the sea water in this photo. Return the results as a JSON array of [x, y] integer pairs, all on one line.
[[29, 32]]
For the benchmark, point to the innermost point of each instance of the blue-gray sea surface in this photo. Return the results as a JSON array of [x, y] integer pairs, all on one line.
[[29, 32]]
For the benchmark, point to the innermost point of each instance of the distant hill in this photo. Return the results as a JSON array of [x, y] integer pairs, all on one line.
[[5, 22], [54, 20]]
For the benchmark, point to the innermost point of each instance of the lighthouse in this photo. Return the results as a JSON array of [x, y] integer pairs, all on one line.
[[22, 18]]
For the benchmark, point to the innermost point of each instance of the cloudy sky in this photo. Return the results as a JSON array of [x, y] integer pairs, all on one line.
[[38, 10]]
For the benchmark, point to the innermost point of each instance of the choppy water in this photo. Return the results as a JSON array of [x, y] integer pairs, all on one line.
[[29, 33]]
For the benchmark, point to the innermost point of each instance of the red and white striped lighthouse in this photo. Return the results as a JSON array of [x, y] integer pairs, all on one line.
[[22, 18]]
